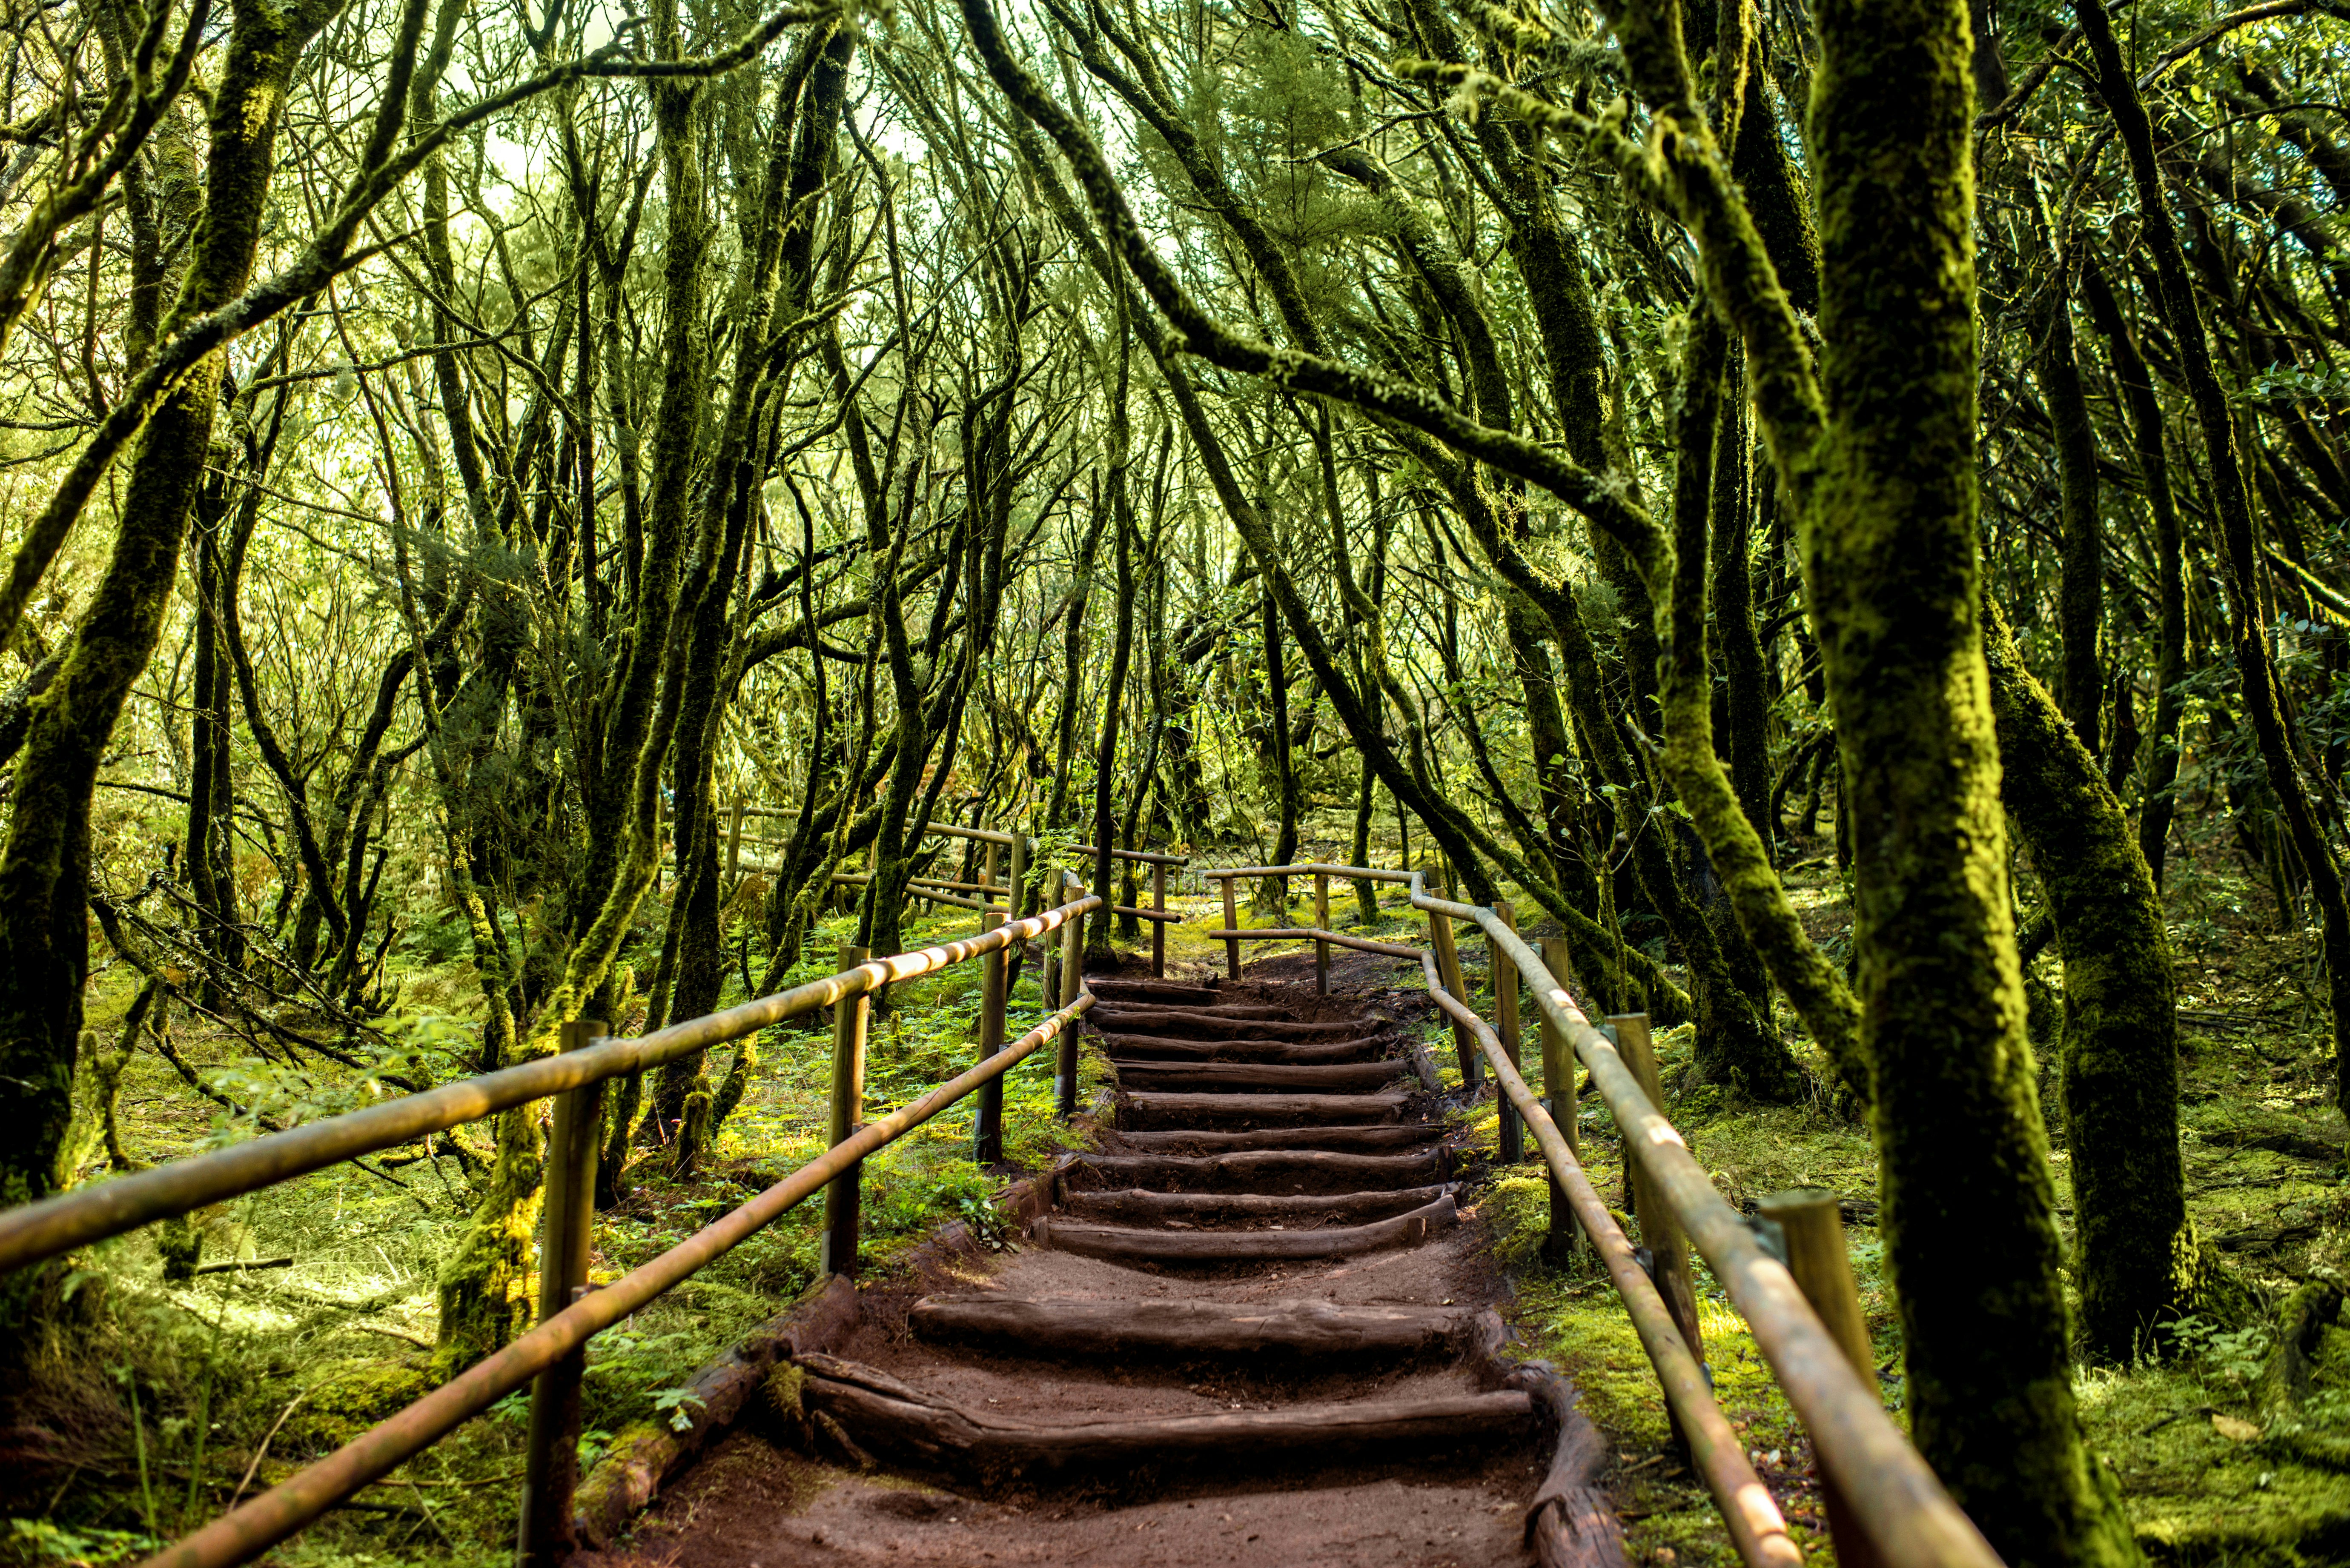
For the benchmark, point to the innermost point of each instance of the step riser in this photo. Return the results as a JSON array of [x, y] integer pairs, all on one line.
[[1188, 1331], [1151, 992], [947, 1439], [1300, 1052], [1215, 1247], [1340, 1140], [1276, 1171], [1243, 1112], [1119, 1008], [1133, 1206], [1266, 1077], [1209, 1026]]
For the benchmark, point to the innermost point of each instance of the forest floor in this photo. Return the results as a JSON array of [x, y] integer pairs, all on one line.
[[188, 1395], [2203, 1479]]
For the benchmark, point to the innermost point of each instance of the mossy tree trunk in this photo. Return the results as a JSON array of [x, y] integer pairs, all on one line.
[[1743, 737], [1757, 1061], [1270, 896], [2139, 1259], [45, 861], [2080, 595], [205, 858], [1118, 485], [1892, 563], [2144, 418], [782, 173]]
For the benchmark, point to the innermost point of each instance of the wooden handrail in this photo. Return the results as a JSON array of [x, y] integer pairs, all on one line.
[[247, 1532], [40, 1231], [1896, 1501], [1312, 934], [35, 1232], [1353, 873], [1757, 1528], [1900, 1504]]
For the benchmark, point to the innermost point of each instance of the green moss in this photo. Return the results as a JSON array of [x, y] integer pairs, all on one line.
[[349, 1402], [2194, 1495]]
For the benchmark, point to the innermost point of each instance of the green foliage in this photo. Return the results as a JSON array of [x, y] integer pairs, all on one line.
[[40, 1543], [2296, 384], [2230, 1357]]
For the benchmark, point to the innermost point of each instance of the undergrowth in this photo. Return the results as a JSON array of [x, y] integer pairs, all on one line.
[[170, 1402], [2207, 1472]]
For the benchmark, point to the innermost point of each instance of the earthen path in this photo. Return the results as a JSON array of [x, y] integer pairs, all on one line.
[[1250, 1330]]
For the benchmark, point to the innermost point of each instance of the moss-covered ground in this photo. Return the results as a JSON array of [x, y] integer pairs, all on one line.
[[180, 1398], [2207, 1473], [176, 1399]]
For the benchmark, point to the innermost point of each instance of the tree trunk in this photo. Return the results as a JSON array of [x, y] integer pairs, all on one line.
[[1892, 568], [212, 884], [45, 861], [2081, 594], [1271, 894], [1098, 926], [1746, 698], [2138, 1256], [2144, 413]]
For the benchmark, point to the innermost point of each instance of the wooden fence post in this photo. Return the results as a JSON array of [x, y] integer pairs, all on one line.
[[1015, 902], [1072, 963], [1049, 896], [1558, 1094], [1661, 1231], [850, 1016], [987, 1120], [551, 1465], [1321, 923], [1159, 928], [1506, 1025], [1447, 969], [1811, 1224], [1231, 923]]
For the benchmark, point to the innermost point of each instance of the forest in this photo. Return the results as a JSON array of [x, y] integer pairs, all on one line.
[[1839, 510]]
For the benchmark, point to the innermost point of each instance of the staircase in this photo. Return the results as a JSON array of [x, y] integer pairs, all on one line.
[[1249, 1330]]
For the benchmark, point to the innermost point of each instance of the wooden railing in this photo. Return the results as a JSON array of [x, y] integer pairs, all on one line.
[[552, 1356], [988, 891], [1786, 1272]]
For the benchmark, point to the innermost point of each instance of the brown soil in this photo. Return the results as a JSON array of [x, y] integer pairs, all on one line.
[[814, 1490]]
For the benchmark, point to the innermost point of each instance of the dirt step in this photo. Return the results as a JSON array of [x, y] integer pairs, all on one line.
[[1122, 1244], [1149, 990], [893, 1420], [1354, 1140], [1212, 1010], [1262, 1170], [1219, 1026], [1149, 1110], [1137, 1206], [1318, 1077], [1369, 1048], [1074, 1326]]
